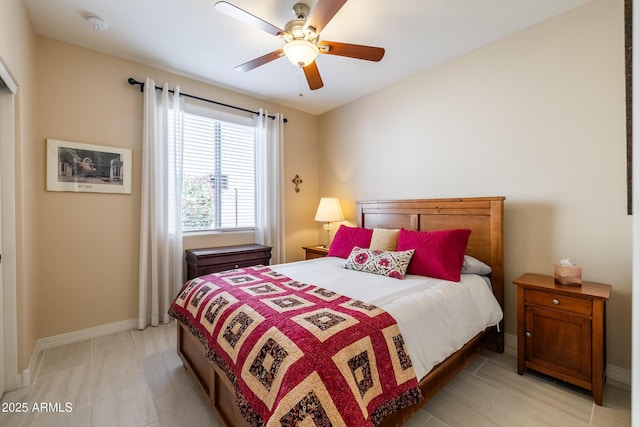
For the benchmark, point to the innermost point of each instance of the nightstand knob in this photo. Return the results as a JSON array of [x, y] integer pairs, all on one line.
[[556, 301], [527, 334]]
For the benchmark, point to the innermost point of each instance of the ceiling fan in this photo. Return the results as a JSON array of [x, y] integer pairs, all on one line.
[[301, 37]]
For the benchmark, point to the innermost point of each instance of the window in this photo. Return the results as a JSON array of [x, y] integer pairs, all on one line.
[[218, 189]]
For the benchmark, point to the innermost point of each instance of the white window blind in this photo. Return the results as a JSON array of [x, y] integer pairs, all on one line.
[[218, 191]]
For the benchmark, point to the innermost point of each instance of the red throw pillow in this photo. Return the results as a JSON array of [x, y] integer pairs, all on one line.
[[438, 253], [347, 238]]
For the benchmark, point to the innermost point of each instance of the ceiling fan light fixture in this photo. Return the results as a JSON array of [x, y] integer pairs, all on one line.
[[301, 52]]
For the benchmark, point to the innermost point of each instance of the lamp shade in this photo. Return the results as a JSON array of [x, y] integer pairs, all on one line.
[[329, 210], [301, 52]]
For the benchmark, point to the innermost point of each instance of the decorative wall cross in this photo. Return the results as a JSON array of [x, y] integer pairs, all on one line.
[[297, 181]]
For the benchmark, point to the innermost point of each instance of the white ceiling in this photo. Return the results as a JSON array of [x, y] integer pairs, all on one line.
[[190, 38]]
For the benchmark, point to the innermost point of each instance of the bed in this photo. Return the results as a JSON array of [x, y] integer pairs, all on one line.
[[483, 216]]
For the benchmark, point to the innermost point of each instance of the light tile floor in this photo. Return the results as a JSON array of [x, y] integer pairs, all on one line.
[[135, 379]]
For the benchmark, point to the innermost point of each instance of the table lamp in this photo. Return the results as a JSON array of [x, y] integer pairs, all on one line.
[[328, 211]]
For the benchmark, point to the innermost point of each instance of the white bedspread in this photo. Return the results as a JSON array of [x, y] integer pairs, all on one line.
[[436, 317]]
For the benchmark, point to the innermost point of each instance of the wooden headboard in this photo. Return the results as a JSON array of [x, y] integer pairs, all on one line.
[[483, 215]]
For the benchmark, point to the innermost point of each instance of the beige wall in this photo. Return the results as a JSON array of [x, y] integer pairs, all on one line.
[[539, 118], [77, 253], [18, 53], [89, 242]]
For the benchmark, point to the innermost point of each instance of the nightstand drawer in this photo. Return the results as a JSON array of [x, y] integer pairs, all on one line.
[[312, 252], [560, 302]]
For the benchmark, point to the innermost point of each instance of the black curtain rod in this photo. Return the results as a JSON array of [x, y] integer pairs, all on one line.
[[134, 82]]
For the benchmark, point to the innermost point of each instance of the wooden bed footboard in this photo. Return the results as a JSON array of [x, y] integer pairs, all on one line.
[[211, 381], [219, 392]]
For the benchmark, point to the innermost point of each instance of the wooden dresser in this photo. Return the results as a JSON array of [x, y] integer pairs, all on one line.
[[561, 330], [212, 260], [312, 252]]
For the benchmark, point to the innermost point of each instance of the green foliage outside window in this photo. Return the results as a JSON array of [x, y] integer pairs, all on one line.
[[197, 203]]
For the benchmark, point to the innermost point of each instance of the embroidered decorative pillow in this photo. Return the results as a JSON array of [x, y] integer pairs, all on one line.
[[347, 238], [438, 254], [383, 263]]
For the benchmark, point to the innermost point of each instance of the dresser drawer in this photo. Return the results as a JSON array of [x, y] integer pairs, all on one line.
[[560, 302], [235, 258], [216, 268]]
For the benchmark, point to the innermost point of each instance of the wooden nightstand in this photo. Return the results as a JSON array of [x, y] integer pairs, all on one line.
[[312, 252], [561, 330], [213, 260]]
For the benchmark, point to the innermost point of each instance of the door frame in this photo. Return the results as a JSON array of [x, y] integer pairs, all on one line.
[[9, 330]]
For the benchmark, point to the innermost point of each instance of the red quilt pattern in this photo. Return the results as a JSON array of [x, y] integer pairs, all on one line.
[[297, 353]]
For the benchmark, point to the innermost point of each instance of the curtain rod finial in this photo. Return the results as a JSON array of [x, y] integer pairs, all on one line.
[[134, 82]]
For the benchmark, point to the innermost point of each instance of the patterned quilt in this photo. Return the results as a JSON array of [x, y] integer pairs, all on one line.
[[299, 354]]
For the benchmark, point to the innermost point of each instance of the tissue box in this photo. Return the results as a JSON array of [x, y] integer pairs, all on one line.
[[568, 274]]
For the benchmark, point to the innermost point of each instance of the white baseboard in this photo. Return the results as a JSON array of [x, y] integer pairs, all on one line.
[[617, 376], [68, 338]]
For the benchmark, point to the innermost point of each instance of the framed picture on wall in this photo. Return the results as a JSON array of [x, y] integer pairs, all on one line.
[[76, 167]]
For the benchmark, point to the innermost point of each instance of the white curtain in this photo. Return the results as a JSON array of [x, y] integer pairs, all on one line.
[[270, 184], [160, 276]]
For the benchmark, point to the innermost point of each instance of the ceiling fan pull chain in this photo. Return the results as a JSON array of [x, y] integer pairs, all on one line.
[[300, 87]]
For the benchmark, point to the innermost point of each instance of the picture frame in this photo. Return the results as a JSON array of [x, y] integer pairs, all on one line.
[[89, 168]]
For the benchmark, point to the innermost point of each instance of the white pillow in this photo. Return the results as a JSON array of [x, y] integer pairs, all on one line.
[[471, 265]]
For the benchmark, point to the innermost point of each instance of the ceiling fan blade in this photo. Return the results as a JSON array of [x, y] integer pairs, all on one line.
[[255, 63], [368, 53], [244, 16], [322, 13], [313, 76]]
